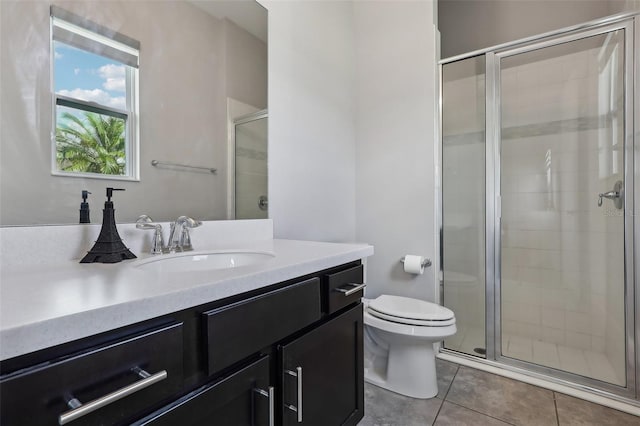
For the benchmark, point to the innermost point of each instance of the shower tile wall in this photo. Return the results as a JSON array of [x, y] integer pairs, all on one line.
[[562, 255]]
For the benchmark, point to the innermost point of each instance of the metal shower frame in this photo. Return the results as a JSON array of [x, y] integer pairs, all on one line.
[[627, 22]]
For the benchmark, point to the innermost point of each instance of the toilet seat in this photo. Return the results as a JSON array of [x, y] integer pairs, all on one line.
[[411, 321], [416, 331], [409, 311]]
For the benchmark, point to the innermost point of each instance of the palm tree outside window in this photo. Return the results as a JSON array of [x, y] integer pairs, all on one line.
[[95, 76]]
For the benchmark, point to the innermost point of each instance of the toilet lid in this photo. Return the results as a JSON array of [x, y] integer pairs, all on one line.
[[408, 308], [410, 321]]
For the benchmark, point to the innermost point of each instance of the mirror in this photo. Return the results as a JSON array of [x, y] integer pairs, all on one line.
[[202, 70]]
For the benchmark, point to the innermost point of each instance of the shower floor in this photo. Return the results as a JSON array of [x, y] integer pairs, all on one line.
[[586, 363]]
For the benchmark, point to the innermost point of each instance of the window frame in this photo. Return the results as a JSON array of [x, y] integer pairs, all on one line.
[[130, 114]]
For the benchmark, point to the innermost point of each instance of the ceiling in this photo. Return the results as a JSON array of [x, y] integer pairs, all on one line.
[[247, 14]]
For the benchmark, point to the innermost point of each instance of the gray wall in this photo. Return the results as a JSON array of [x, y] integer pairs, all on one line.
[[468, 25], [395, 173], [246, 66]]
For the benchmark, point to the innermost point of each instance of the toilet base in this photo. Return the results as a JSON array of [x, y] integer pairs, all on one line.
[[410, 370]]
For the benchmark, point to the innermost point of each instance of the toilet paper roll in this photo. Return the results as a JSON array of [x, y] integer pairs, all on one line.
[[413, 264]]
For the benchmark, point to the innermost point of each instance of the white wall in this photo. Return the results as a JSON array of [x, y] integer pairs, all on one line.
[[396, 89], [351, 130], [311, 120]]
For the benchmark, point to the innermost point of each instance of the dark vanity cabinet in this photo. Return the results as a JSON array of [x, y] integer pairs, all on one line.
[[321, 373], [287, 354]]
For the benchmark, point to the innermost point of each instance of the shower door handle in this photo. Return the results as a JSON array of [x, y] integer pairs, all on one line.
[[263, 203], [616, 195]]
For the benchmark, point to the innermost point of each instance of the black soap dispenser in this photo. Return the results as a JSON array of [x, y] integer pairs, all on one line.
[[84, 208], [109, 248]]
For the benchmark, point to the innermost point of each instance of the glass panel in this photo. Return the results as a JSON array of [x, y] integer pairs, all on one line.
[[562, 256], [463, 201], [88, 142], [251, 170], [90, 138], [89, 77]]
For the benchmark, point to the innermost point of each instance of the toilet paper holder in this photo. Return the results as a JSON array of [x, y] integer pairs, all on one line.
[[426, 262]]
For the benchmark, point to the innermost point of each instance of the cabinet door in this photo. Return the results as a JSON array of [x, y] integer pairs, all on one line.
[[322, 375], [243, 398]]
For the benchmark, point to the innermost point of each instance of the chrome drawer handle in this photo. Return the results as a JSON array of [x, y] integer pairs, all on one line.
[[80, 410], [298, 409], [354, 289], [272, 409]]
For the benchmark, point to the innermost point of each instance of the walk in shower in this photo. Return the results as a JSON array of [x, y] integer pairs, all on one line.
[[537, 193]]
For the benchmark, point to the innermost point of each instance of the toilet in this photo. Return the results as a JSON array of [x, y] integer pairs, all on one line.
[[399, 334]]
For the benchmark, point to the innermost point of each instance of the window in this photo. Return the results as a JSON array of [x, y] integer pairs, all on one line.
[[94, 78]]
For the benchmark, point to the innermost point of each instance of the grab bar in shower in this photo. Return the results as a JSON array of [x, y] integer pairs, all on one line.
[[156, 163]]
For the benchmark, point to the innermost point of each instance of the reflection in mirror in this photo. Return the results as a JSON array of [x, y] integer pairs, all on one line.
[[251, 201], [202, 64], [95, 115]]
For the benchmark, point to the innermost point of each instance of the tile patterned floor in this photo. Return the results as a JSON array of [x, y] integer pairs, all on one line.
[[471, 397]]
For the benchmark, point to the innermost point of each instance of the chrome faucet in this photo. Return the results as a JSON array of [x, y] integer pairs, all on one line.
[[179, 238], [145, 222]]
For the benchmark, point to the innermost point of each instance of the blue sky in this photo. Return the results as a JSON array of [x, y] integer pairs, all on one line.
[[89, 77]]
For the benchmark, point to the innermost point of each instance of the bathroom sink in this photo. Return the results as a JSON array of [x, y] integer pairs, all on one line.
[[203, 261]]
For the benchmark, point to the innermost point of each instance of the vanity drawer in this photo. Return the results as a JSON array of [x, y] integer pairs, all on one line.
[[236, 331], [343, 288], [121, 378]]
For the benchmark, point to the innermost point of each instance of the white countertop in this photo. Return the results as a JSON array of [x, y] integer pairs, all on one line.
[[46, 305]]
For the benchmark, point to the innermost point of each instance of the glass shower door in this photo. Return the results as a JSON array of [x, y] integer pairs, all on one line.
[[562, 229], [251, 179], [463, 202]]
